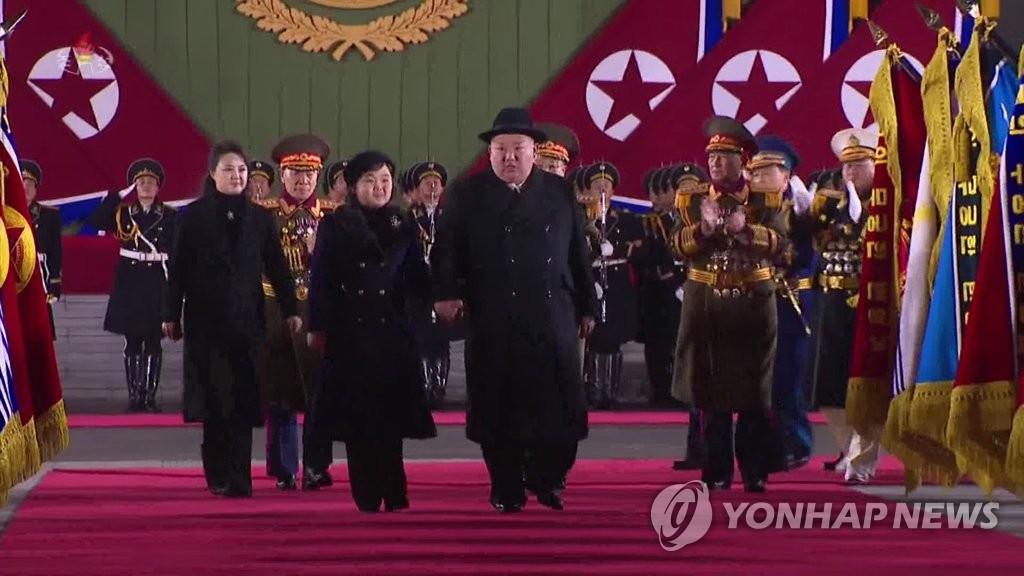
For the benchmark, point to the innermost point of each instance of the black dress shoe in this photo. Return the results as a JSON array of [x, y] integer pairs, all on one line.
[[831, 466], [286, 483], [716, 485], [312, 480], [551, 499], [795, 463], [396, 504], [756, 487], [687, 464], [219, 489], [507, 507], [238, 492]]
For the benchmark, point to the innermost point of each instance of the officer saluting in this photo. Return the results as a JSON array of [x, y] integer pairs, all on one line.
[[261, 180], [145, 227], [290, 367], [47, 224], [726, 345]]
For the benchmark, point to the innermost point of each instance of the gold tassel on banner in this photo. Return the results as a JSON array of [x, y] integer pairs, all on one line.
[[52, 432]]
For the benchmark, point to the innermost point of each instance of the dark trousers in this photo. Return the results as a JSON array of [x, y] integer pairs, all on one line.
[[516, 466], [752, 446], [282, 444], [659, 355], [695, 445], [317, 448], [227, 454], [136, 346], [376, 473]]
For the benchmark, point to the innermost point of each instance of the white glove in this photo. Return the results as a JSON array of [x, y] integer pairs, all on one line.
[[801, 195], [126, 191], [856, 208], [599, 290], [679, 293], [607, 248]]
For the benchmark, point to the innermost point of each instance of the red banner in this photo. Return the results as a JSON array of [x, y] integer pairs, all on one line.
[[838, 97], [83, 108]]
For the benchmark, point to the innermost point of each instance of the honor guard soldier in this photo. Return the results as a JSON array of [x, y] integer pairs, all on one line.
[[839, 210], [335, 187], [771, 172], [145, 228], [424, 183], [555, 154], [261, 180], [613, 236], [290, 367], [724, 354], [46, 221]]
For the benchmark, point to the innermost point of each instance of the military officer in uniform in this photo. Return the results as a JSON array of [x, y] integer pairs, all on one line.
[[771, 171], [334, 183], [46, 221], [730, 235], [557, 153], [839, 210], [424, 184], [145, 228], [290, 367], [613, 235], [261, 180]]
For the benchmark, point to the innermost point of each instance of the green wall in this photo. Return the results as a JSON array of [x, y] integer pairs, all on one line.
[[430, 100]]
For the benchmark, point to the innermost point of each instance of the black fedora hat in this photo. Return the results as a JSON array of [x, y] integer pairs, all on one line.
[[513, 121]]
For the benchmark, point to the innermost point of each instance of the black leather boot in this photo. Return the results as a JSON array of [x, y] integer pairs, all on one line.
[[132, 376], [615, 379], [153, 365]]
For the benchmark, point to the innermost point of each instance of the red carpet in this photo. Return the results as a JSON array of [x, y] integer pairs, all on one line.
[[624, 418], [162, 522]]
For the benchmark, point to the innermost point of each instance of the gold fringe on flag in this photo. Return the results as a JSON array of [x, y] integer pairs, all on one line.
[[12, 456], [52, 431], [913, 450], [1015, 450], [980, 417]]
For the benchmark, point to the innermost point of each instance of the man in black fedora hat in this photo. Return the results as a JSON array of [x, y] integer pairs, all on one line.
[[511, 254]]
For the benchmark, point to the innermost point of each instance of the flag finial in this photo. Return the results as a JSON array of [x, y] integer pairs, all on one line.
[[879, 35], [931, 17], [8, 27]]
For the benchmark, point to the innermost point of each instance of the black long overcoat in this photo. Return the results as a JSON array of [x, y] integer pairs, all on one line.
[[520, 262]]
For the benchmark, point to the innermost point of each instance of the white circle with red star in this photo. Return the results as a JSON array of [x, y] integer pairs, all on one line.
[[738, 69], [57, 64], [856, 103], [613, 69]]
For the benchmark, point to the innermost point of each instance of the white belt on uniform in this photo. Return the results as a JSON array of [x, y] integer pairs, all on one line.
[[615, 262], [144, 256]]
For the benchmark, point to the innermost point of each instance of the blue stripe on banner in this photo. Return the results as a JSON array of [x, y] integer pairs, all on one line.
[[713, 24], [966, 29], [1013, 166], [940, 348], [632, 204], [840, 23], [8, 401], [999, 103]]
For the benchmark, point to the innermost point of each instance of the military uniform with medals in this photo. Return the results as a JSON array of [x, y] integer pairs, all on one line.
[[46, 221], [839, 216], [146, 236], [289, 367], [727, 333]]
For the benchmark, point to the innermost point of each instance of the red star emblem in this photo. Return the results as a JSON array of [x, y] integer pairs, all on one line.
[[73, 92], [757, 94], [632, 94]]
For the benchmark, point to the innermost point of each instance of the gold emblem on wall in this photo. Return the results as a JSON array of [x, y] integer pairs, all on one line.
[[22, 246], [320, 34]]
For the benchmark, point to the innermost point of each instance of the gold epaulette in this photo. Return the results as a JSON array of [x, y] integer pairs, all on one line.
[[328, 205], [683, 195], [822, 198], [269, 203]]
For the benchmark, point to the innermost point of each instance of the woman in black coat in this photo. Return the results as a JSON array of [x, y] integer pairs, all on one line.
[[368, 260], [224, 245]]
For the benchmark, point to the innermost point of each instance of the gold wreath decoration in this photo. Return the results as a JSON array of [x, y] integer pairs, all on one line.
[[353, 4], [320, 34]]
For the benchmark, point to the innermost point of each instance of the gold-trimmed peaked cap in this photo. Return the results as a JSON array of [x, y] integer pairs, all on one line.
[[334, 171], [422, 170], [601, 171], [854, 144], [729, 135], [561, 143], [774, 151], [262, 168], [31, 171], [146, 167], [301, 152]]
